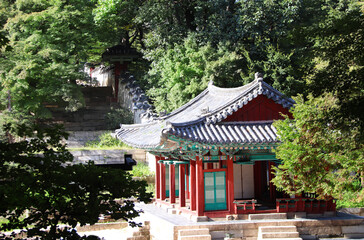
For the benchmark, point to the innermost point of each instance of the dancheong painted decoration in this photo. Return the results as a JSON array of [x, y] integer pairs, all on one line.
[[214, 155]]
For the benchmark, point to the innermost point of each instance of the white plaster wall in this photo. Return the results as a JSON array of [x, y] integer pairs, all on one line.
[[248, 181], [243, 181], [104, 78], [151, 161]]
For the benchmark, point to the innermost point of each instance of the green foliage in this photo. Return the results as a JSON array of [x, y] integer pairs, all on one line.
[[41, 63], [51, 191], [183, 71], [142, 170], [317, 156], [118, 116], [16, 119], [339, 62], [106, 140]]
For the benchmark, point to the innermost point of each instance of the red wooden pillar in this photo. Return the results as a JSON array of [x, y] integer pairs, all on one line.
[[193, 184], [200, 193], [272, 189], [257, 180], [163, 181], [187, 181], [182, 194], [172, 184], [230, 184], [157, 178]]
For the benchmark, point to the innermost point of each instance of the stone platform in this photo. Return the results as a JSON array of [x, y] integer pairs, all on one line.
[[168, 226]]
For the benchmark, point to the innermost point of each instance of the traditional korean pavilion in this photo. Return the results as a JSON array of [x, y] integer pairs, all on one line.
[[214, 154]]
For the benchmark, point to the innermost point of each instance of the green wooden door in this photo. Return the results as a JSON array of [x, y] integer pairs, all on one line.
[[176, 172], [215, 191]]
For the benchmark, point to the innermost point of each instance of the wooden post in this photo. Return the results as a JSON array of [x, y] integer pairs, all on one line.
[[187, 182], [182, 195], [272, 190], [230, 184], [172, 184], [200, 193], [163, 181], [193, 184], [257, 180], [157, 178]]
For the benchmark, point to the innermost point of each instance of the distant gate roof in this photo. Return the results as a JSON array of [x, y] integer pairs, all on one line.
[[200, 120]]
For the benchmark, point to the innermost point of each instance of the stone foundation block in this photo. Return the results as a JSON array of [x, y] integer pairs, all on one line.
[[321, 231]]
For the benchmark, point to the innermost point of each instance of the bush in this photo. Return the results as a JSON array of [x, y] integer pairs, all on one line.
[[116, 116], [142, 170], [106, 140]]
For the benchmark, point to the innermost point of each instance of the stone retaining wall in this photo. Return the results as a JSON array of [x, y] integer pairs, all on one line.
[[102, 226], [99, 156], [354, 211], [107, 156], [77, 139], [307, 228]]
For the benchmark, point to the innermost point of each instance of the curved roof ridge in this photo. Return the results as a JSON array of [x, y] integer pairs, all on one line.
[[139, 125], [186, 105], [253, 89], [222, 91]]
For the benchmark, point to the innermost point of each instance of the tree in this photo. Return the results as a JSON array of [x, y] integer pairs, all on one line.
[[317, 156], [183, 71], [42, 190], [339, 62], [117, 21], [48, 40]]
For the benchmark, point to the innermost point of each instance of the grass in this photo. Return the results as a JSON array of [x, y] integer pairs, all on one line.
[[142, 171], [105, 142]]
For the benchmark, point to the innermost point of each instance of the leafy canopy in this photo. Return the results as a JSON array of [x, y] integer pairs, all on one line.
[[42, 190], [47, 40], [317, 156]]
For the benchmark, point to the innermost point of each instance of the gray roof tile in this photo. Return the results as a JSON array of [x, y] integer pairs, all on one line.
[[200, 119]]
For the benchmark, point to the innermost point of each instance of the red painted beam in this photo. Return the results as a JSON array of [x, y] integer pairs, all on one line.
[[200, 193], [172, 184], [182, 195], [193, 184], [157, 178]]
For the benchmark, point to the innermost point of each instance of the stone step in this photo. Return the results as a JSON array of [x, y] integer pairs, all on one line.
[[353, 231], [195, 237], [279, 235], [272, 229], [193, 232], [298, 238], [266, 216]]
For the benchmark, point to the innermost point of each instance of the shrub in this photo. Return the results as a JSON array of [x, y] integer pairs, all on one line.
[[106, 140], [116, 116]]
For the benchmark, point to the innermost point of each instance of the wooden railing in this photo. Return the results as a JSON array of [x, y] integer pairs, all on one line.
[[309, 205], [244, 206]]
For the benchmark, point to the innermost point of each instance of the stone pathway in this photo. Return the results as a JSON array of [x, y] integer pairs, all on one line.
[[112, 234]]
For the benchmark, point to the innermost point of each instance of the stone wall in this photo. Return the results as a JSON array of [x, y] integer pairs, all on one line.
[[354, 211], [107, 156], [99, 156], [78, 139]]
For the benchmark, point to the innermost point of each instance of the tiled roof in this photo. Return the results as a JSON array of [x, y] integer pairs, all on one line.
[[227, 133], [200, 120], [146, 136]]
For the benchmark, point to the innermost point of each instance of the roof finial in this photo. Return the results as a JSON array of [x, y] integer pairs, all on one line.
[[258, 76]]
